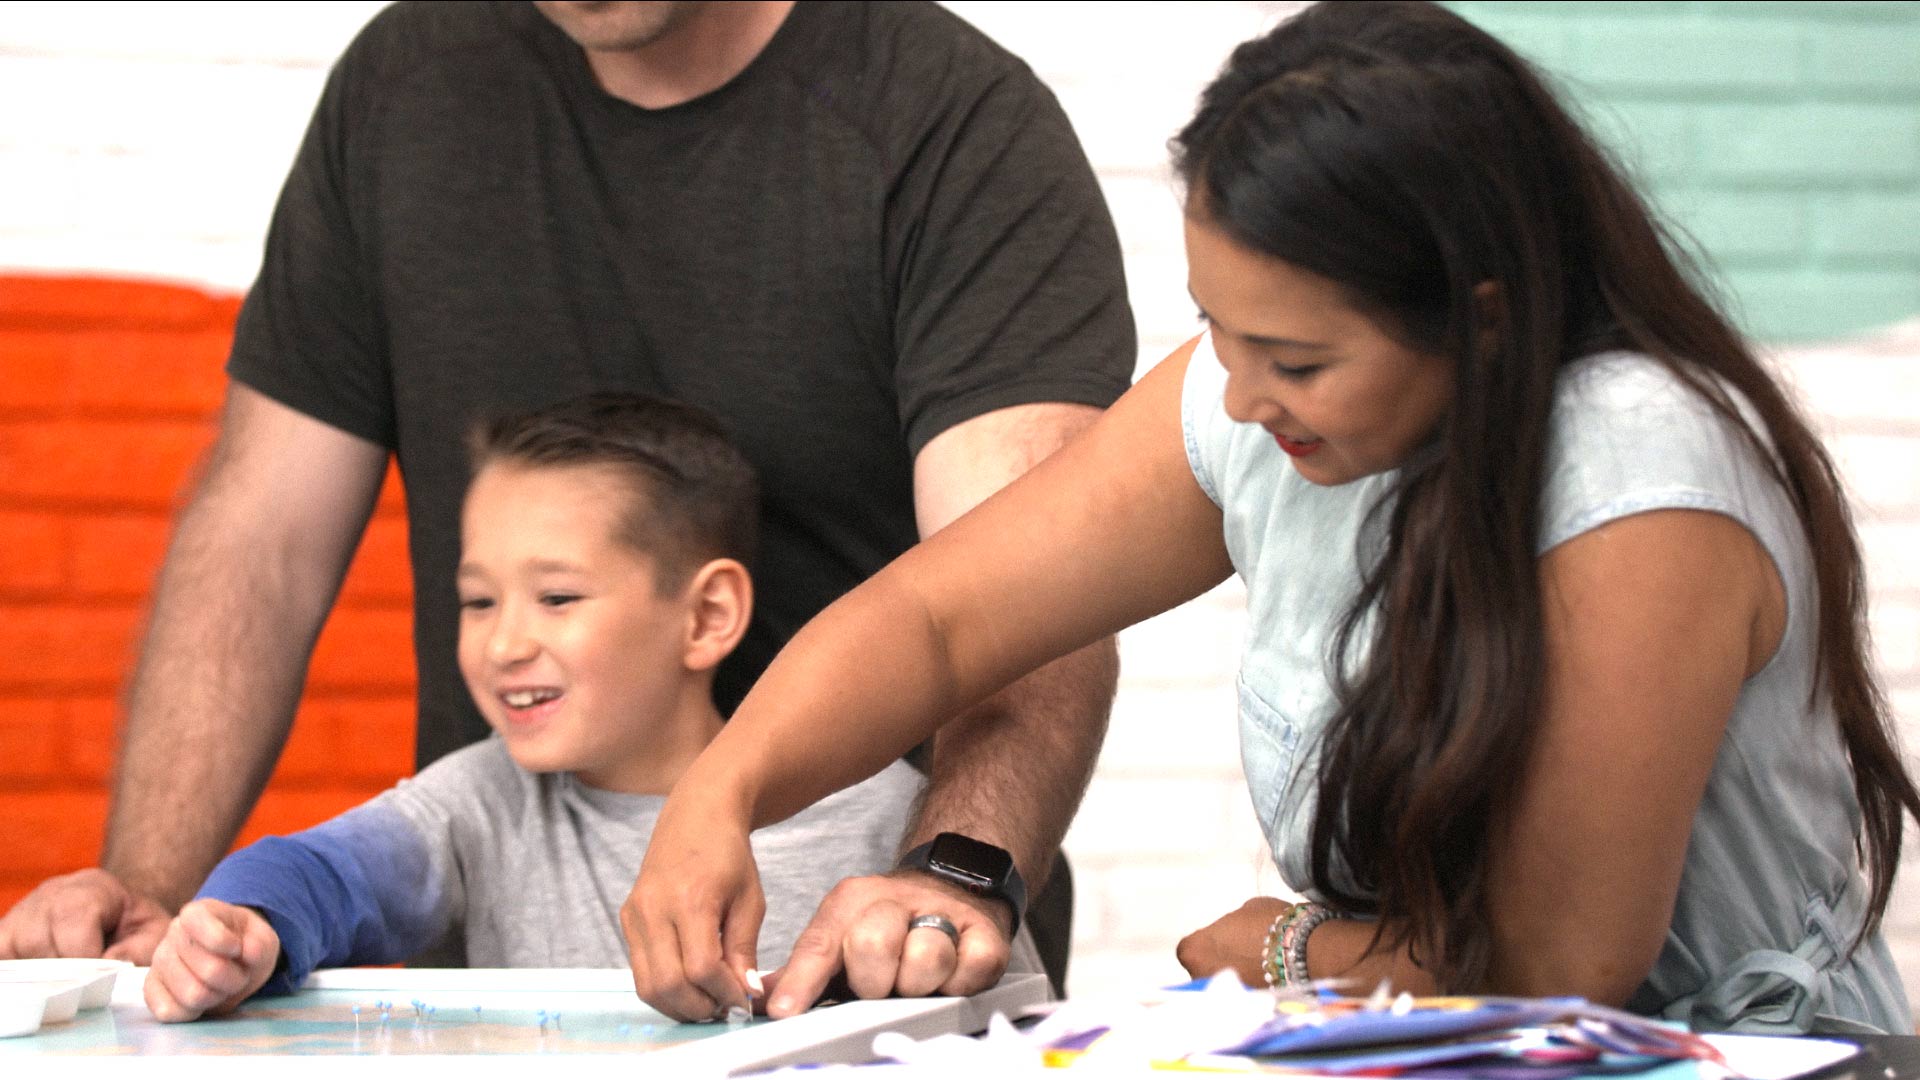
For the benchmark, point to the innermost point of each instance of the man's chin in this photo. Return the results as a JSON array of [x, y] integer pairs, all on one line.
[[618, 25]]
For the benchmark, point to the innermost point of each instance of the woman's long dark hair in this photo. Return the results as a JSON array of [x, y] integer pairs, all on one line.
[[1400, 152]]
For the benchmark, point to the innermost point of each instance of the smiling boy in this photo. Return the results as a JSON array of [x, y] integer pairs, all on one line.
[[603, 576]]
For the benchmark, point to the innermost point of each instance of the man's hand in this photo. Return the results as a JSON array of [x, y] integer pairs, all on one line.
[[1236, 940], [214, 956], [89, 913], [861, 929], [692, 921]]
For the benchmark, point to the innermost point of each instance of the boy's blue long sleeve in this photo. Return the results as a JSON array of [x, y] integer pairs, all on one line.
[[363, 888]]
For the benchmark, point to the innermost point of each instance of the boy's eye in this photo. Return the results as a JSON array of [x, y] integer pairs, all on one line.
[[558, 599], [476, 603]]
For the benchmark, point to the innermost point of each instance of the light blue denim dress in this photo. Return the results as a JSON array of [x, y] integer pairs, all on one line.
[[1770, 896]]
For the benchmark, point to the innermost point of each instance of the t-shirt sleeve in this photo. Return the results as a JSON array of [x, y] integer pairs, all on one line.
[[309, 333], [1009, 287], [376, 885], [1629, 437], [1203, 423]]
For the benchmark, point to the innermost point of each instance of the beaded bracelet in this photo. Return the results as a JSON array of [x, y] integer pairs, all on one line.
[[1271, 964], [1291, 950]]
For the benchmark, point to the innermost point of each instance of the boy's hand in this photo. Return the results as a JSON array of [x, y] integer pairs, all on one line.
[[213, 957]]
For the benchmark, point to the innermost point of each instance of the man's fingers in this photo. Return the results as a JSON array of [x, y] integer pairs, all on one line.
[[80, 910], [88, 913], [873, 948], [26, 932], [982, 959], [136, 945], [927, 961], [815, 959]]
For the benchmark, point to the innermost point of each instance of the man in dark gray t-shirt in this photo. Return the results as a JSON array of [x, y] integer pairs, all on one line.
[[862, 234]]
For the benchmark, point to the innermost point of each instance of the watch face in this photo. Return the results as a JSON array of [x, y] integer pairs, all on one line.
[[963, 856]]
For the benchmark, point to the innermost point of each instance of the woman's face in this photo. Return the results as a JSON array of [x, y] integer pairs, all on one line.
[[1337, 393]]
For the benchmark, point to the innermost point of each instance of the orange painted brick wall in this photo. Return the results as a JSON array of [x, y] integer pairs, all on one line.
[[109, 393]]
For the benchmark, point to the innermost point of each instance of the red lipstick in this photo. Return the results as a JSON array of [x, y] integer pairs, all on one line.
[[1298, 448]]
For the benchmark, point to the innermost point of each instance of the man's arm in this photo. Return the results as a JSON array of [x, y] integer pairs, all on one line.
[[1010, 771], [255, 561]]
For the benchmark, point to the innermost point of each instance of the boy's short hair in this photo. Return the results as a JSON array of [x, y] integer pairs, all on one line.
[[695, 497]]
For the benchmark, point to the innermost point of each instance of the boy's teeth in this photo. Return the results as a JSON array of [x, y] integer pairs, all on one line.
[[520, 699]]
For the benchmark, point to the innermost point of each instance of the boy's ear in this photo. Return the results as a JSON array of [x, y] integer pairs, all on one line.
[[719, 604]]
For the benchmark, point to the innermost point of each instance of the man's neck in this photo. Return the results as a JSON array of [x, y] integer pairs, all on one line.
[[701, 55]]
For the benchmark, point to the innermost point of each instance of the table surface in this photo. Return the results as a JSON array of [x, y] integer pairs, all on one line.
[[388, 1017], [1887, 1057]]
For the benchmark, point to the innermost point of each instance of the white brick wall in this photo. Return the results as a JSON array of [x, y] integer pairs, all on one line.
[[150, 140]]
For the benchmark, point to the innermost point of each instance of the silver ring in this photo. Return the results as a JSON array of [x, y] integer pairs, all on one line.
[[936, 922]]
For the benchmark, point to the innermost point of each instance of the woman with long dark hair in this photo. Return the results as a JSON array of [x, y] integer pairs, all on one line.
[[1556, 679]]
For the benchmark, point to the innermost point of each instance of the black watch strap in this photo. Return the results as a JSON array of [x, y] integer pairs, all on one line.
[[974, 865]]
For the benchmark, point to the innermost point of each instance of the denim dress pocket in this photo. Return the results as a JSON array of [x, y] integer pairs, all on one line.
[[1268, 742]]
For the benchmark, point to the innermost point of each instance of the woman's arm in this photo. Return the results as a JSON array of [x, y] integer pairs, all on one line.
[[1652, 622], [1107, 531]]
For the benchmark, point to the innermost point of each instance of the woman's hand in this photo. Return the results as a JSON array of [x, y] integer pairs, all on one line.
[[1236, 940], [692, 921], [213, 957]]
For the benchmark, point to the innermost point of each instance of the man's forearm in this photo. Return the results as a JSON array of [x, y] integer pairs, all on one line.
[[1011, 771], [210, 705]]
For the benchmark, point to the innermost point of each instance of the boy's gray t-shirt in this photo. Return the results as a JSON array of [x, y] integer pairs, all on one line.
[[530, 870], [544, 862]]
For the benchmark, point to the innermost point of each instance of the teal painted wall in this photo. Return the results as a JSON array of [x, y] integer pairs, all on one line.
[[1784, 137]]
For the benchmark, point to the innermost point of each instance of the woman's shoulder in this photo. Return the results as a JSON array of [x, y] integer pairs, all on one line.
[[1223, 454], [1631, 433], [1623, 382]]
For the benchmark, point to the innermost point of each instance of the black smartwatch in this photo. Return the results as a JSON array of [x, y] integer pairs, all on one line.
[[974, 865]]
